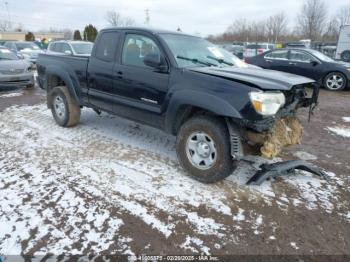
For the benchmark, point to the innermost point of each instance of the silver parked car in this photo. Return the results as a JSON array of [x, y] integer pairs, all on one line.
[[15, 72], [257, 49], [77, 48], [25, 50]]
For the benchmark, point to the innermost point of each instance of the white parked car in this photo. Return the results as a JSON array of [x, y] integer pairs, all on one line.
[[77, 48], [257, 49], [343, 47]]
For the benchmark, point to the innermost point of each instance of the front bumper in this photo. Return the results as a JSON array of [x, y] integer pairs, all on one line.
[[297, 98], [21, 80]]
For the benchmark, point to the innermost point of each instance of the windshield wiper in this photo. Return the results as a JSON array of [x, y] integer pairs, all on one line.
[[195, 60], [220, 60]]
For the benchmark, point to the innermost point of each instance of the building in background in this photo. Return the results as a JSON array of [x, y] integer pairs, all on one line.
[[39, 36]]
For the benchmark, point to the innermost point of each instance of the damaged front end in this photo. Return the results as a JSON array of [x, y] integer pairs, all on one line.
[[268, 136]]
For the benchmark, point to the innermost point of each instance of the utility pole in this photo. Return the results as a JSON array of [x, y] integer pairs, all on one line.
[[8, 14], [147, 19]]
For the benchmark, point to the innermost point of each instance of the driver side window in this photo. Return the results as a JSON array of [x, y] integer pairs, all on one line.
[[136, 47]]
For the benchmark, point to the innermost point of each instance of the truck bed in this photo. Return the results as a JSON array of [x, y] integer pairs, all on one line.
[[75, 66]]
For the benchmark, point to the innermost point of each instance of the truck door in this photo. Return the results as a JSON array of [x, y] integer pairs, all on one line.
[[100, 70], [139, 87]]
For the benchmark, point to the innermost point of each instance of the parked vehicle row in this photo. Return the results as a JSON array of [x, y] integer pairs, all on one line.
[[14, 72], [333, 75]]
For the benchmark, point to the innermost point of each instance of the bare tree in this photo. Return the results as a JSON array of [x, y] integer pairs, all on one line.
[[332, 30], [276, 25], [116, 19], [343, 15], [4, 26], [312, 19]]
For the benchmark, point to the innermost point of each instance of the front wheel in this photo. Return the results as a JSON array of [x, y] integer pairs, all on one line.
[[203, 149], [335, 81]]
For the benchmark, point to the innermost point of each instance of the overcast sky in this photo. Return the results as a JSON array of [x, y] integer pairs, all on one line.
[[192, 16]]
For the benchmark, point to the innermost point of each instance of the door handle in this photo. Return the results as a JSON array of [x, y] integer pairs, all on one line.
[[268, 61], [120, 75], [292, 63]]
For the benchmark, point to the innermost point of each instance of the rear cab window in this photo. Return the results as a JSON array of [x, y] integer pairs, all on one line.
[[107, 45]]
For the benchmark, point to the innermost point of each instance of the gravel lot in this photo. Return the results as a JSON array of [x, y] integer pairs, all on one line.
[[113, 186]]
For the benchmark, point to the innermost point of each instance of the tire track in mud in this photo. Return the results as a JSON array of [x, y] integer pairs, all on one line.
[[134, 176]]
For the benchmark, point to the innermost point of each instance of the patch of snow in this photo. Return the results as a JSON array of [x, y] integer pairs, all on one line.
[[194, 244], [10, 95], [294, 245], [272, 237], [346, 119], [240, 215], [340, 131], [304, 155]]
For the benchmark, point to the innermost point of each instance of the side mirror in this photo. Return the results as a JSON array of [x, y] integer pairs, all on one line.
[[155, 60], [68, 52], [314, 62]]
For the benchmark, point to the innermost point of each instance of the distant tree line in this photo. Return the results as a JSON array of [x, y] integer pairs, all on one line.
[[313, 22]]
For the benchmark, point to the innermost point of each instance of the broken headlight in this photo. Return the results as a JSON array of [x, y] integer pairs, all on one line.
[[267, 103]]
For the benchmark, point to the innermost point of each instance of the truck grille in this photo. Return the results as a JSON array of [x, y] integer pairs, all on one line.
[[12, 71]]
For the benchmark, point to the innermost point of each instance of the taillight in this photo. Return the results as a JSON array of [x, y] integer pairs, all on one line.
[[260, 51]]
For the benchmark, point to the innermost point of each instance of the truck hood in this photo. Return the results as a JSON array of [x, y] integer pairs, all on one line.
[[261, 78]]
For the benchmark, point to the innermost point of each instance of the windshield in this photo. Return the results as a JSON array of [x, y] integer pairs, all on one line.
[[82, 48], [321, 56], [6, 54], [29, 45], [190, 51]]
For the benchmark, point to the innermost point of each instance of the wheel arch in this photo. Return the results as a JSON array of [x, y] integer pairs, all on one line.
[[54, 77], [185, 104]]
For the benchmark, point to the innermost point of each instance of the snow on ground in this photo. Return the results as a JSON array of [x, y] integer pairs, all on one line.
[[8, 95], [346, 119], [304, 155], [73, 188], [340, 131]]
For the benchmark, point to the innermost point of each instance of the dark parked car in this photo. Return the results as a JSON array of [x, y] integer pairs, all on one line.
[[179, 83], [14, 72], [332, 74]]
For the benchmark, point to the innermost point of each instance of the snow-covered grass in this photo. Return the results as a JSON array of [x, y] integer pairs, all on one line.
[[72, 187]]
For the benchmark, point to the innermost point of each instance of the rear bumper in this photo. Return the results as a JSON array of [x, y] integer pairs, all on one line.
[[21, 80]]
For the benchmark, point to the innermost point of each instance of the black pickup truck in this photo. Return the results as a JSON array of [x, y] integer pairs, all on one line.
[[212, 101]]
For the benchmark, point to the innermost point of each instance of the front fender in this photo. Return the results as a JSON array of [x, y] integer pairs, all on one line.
[[198, 99]]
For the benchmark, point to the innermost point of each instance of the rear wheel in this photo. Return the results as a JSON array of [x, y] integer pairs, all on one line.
[[203, 149], [65, 110], [335, 81], [345, 56]]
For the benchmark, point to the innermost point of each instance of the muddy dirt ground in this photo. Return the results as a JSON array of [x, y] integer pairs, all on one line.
[[113, 186]]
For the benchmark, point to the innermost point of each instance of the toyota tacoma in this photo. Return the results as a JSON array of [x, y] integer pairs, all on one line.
[[220, 108]]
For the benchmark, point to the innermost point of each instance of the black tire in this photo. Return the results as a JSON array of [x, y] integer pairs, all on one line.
[[223, 166], [329, 76], [345, 56], [68, 117]]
